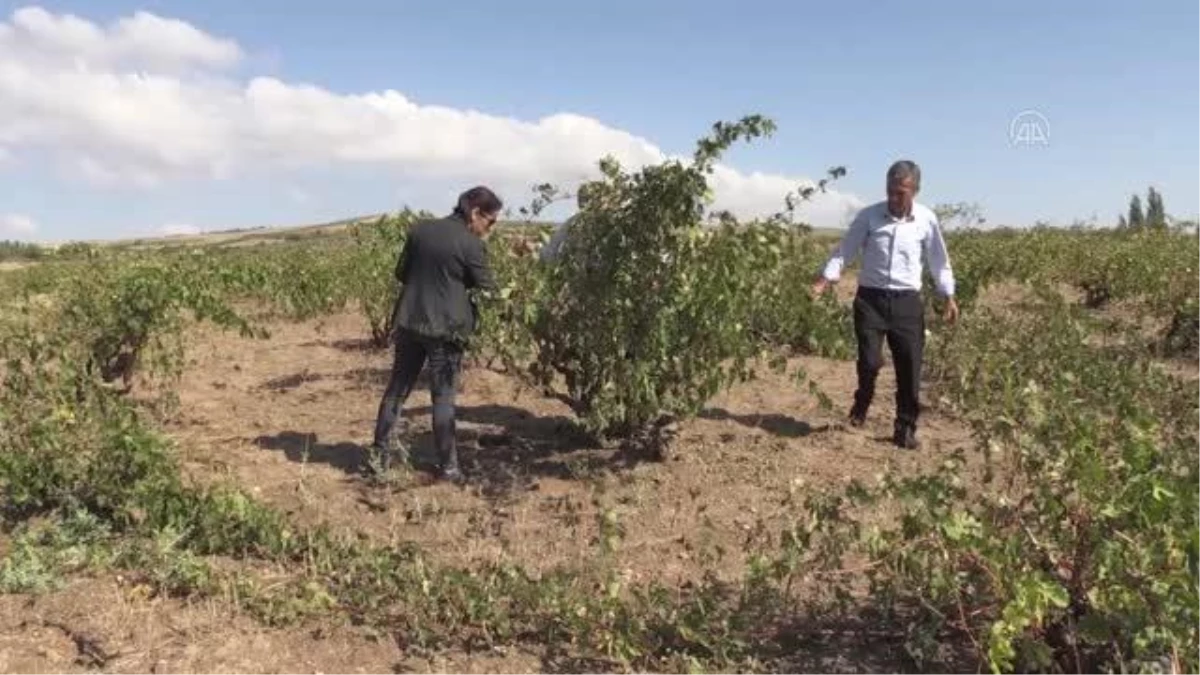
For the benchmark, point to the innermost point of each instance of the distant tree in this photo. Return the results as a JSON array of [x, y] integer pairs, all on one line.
[[1090, 222], [1137, 220], [1156, 215], [1122, 223], [960, 215], [20, 250]]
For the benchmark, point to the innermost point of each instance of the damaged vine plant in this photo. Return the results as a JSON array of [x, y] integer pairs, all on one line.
[[649, 310], [1070, 545]]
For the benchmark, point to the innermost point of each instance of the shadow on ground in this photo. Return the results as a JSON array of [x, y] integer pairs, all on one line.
[[349, 345], [306, 448], [376, 379], [774, 423], [503, 450], [290, 382]]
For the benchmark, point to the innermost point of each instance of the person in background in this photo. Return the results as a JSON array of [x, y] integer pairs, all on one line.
[[896, 237], [552, 251], [435, 317]]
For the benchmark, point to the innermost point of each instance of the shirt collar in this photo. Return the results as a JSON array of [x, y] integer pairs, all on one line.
[[893, 219]]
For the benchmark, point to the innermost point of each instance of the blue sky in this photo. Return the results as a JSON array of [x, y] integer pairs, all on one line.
[[854, 83]]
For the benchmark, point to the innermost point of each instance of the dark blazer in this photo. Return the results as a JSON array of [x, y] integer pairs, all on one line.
[[440, 262]]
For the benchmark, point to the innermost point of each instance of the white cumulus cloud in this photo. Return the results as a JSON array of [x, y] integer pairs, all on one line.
[[147, 99], [16, 225]]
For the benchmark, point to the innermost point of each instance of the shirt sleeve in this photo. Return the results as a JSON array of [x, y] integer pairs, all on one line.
[[553, 248], [939, 259], [849, 247]]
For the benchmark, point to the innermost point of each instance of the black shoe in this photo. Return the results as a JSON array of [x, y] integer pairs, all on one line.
[[906, 437], [858, 416], [452, 474], [449, 467]]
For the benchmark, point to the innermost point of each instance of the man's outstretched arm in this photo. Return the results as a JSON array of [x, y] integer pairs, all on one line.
[[844, 254]]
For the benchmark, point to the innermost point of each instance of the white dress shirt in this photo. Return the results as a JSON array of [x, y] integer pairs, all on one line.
[[894, 250], [553, 248]]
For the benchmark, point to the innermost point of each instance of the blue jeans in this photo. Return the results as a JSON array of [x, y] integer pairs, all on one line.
[[444, 359]]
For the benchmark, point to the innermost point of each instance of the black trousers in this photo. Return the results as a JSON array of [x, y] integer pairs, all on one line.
[[444, 359], [898, 317]]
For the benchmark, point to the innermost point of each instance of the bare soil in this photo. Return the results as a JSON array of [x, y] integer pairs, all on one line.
[[107, 625], [290, 417]]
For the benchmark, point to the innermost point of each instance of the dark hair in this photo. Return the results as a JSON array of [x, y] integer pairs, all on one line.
[[478, 197], [905, 168]]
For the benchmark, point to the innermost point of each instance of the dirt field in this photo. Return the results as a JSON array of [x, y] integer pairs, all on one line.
[[287, 417]]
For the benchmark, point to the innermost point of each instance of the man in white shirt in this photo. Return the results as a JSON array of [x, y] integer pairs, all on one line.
[[553, 249], [896, 238]]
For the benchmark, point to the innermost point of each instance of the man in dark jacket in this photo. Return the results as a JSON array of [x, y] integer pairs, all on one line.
[[435, 317]]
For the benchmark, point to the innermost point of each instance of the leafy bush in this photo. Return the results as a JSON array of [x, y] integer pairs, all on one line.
[[1182, 335], [372, 278], [127, 313], [1078, 551], [650, 312]]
